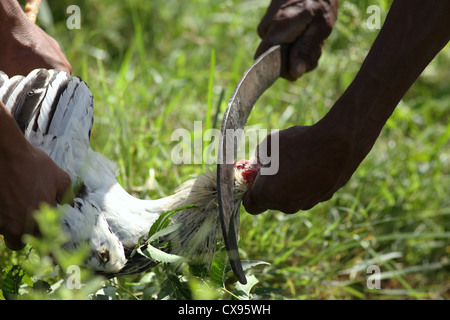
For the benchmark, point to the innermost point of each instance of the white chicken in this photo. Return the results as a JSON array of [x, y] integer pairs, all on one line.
[[55, 112]]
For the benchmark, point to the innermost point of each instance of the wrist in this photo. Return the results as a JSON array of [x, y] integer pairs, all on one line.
[[359, 115]]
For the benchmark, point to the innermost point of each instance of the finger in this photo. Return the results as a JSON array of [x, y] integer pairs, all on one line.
[[284, 28], [284, 31], [289, 209], [57, 60], [268, 17], [303, 57], [305, 53], [61, 63], [263, 47], [250, 205], [64, 191], [255, 206], [14, 243]]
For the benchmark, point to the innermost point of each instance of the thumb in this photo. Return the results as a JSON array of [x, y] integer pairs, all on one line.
[[14, 243], [64, 191], [251, 205]]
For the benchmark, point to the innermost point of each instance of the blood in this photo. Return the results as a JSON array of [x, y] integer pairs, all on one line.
[[248, 169]]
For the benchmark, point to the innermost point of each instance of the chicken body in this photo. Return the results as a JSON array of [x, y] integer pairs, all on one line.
[[55, 112]]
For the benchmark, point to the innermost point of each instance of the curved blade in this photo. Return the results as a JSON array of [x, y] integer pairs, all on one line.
[[256, 79]]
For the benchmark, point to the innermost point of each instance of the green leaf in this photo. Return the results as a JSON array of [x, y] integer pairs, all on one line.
[[12, 282], [242, 291], [155, 254], [175, 289], [164, 232], [42, 286], [160, 228], [164, 220], [203, 290], [266, 293], [219, 269], [247, 264]]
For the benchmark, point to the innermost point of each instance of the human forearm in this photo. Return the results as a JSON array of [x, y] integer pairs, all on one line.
[[414, 32]]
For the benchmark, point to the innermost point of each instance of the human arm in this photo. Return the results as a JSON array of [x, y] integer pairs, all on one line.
[[28, 177], [318, 160], [302, 25], [24, 45]]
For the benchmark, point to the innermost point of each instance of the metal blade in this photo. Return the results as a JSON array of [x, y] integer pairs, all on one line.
[[256, 79]]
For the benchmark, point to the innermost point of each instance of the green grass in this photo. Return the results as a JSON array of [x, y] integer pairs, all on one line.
[[155, 66]]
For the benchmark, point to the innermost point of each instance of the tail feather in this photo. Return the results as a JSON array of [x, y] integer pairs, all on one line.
[[27, 99], [74, 111], [57, 83], [23, 96], [7, 88], [47, 101], [54, 111], [3, 79]]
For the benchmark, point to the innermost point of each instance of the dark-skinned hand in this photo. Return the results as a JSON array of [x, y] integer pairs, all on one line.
[[301, 25]]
